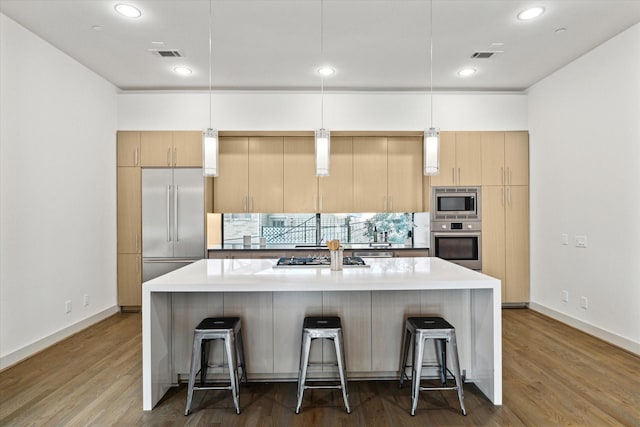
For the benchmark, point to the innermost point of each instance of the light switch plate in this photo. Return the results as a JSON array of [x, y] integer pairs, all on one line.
[[581, 241], [564, 238]]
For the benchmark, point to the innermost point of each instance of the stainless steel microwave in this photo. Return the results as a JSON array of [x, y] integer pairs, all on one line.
[[456, 203]]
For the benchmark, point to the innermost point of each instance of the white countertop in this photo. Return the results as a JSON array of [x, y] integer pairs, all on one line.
[[258, 275]]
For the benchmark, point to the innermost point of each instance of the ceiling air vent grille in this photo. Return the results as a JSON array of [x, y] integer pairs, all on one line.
[[484, 55], [166, 53]]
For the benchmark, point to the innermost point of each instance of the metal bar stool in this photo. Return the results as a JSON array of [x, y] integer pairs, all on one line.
[[328, 328], [442, 332], [228, 329]]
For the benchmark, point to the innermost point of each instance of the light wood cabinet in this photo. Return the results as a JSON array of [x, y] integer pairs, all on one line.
[[129, 280], [370, 174], [336, 190], [266, 170], [251, 175], [129, 210], [231, 185], [387, 174], [505, 239], [460, 162], [505, 212], [171, 149], [505, 158], [128, 148], [404, 174], [300, 180]]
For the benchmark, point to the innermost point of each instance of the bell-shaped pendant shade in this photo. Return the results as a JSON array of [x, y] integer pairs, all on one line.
[[323, 151], [210, 152], [431, 151]]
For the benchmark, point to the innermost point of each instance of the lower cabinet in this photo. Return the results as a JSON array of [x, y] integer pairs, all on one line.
[[505, 239], [129, 280]]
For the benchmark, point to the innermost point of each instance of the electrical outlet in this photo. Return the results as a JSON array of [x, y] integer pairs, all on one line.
[[67, 306], [564, 239], [85, 300], [584, 302], [581, 241], [565, 296]]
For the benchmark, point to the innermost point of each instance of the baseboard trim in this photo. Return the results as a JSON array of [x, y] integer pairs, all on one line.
[[611, 338], [27, 351]]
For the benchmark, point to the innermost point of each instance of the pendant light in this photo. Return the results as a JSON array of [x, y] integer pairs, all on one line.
[[432, 135], [322, 135], [210, 135]]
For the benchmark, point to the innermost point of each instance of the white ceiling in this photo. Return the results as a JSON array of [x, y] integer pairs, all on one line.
[[372, 44]]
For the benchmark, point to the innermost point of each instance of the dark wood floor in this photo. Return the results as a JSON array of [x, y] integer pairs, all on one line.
[[553, 375]]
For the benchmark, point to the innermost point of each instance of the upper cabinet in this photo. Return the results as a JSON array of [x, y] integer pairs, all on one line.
[[460, 163], [404, 174], [370, 174], [336, 190], [300, 180], [251, 175], [505, 158], [128, 148], [171, 149]]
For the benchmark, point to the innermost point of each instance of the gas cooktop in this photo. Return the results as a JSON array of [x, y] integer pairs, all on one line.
[[348, 261]]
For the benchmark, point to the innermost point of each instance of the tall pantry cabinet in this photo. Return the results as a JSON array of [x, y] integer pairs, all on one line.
[[505, 212], [129, 217]]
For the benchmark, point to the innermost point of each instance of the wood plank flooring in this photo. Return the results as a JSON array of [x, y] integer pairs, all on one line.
[[553, 375]]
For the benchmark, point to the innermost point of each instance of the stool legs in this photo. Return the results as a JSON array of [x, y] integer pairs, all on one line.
[[456, 372], [195, 355], [416, 370], [342, 370], [230, 346], [304, 363]]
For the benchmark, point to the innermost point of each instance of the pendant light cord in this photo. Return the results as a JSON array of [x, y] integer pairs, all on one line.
[[210, 54], [431, 60], [322, 62]]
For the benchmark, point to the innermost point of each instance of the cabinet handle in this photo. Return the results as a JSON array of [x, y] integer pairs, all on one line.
[[244, 203], [502, 196], [250, 203], [315, 202], [321, 200], [384, 204], [390, 203], [175, 212], [458, 176], [137, 264], [502, 176], [509, 196], [169, 156], [135, 157], [137, 244], [175, 157], [168, 213], [453, 175], [509, 176]]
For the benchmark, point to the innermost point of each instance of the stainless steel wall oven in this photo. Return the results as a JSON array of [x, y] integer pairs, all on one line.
[[456, 226]]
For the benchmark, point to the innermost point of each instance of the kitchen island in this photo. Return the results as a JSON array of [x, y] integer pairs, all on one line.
[[373, 303]]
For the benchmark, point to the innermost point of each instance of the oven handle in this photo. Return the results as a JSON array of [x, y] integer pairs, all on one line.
[[456, 233]]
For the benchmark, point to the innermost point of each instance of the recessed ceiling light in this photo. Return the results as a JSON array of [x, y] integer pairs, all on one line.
[[530, 13], [466, 72], [183, 71], [128, 10], [560, 30], [326, 71]]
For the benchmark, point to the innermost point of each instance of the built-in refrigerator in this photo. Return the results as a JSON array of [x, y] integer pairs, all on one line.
[[172, 219]]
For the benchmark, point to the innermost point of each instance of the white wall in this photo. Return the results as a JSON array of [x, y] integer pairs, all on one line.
[[584, 124], [342, 111], [58, 199]]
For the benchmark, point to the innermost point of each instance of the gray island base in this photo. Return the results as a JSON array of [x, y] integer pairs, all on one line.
[[373, 303]]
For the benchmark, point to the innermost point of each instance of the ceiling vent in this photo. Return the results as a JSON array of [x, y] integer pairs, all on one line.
[[485, 54], [166, 53]]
